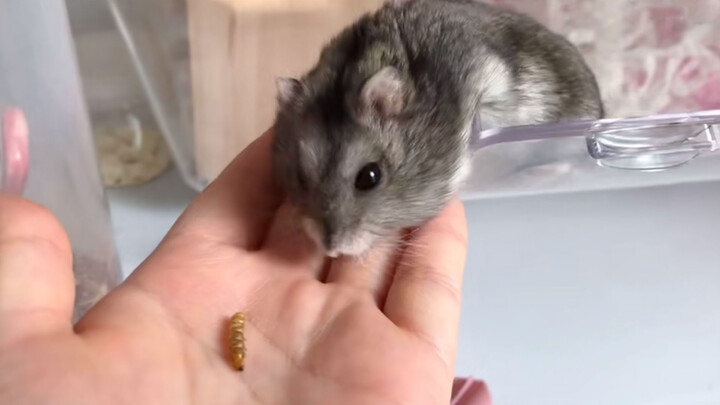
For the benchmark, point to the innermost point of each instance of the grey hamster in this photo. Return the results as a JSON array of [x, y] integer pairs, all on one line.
[[375, 137]]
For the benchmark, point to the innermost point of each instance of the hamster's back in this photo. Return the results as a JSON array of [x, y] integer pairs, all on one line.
[[528, 73]]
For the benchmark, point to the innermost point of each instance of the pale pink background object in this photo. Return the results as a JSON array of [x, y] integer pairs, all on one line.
[[650, 56], [468, 391]]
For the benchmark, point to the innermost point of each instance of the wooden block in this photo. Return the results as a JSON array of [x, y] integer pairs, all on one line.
[[238, 49]]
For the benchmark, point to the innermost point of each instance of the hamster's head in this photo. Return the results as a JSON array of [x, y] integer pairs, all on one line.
[[359, 164]]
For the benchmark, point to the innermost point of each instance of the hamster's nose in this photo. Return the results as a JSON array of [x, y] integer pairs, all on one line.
[[329, 236], [329, 242]]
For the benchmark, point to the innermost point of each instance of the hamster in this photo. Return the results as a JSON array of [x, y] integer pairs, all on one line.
[[375, 138]]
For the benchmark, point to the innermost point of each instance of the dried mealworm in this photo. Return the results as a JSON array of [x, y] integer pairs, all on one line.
[[237, 340]]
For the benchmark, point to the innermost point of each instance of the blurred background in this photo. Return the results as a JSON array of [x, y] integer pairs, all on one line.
[[584, 284]]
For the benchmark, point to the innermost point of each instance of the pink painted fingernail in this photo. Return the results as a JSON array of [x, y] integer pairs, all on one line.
[[15, 160]]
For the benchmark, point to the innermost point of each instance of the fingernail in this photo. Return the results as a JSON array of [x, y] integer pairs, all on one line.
[[14, 139]]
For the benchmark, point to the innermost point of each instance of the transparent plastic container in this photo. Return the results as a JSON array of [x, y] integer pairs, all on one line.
[[155, 33], [130, 148], [596, 155], [651, 58], [39, 84]]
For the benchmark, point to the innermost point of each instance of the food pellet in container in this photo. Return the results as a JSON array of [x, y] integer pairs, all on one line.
[[130, 157]]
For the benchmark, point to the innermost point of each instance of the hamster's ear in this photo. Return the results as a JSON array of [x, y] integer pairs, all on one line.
[[383, 96], [289, 91]]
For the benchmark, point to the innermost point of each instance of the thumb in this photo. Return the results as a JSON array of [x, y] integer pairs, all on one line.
[[36, 280]]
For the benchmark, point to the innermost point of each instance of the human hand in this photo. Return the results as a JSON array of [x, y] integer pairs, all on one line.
[[378, 331]]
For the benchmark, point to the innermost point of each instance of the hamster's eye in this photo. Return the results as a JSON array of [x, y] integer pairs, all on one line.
[[369, 177]]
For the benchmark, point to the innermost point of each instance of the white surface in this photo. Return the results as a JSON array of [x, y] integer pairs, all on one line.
[[606, 298], [143, 215], [596, 299]]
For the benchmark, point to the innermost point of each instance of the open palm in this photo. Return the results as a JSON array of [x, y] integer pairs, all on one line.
[[381, 330]]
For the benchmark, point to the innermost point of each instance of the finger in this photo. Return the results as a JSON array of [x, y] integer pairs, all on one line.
[[239, 205], [289, 244], [372, 272], [36, 280], [424, 297]]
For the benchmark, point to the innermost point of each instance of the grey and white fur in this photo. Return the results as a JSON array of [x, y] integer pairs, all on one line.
[[404, 87]]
